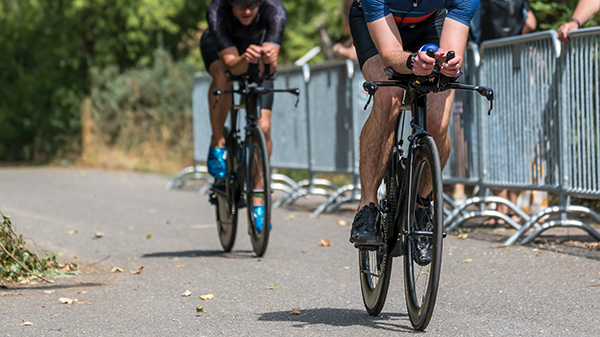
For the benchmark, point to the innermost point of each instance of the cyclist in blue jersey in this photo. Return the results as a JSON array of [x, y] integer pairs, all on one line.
[[389, 33]]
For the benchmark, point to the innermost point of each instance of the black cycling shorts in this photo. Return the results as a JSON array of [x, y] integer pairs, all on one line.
[[210, 55], [413, 37]]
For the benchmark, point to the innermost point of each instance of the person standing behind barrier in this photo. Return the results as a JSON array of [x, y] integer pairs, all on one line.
[[502, 19], [345, 50], [390, 33], [585, 10]]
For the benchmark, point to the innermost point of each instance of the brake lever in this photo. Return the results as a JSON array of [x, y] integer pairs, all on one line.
[[371, 88], [296, 92], [217, 93], [489, 94]]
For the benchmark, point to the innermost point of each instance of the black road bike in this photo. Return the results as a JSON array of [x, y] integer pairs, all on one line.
[[404, 173], [248, 180]]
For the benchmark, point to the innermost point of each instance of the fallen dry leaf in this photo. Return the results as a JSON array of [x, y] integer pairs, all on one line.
[[304, 252], [342, 223], [346, 268], [116, 270], [137, 271], [200, 309], [468, 260], [83, 292], [174, 258], [149, 236], [179, 266], [187, 293], [27, 323], [594, 285], [72, 232], [290, 217], [325, 243], [80, 282], [175, 320], [65, 300], [539, 253], [272, 286], [207, 297], [113, 278], [98, 235], [295, 311], [462, 236], [49, 291]]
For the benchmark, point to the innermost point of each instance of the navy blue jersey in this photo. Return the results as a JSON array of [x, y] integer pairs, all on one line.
[[227, 31], [405, 14]]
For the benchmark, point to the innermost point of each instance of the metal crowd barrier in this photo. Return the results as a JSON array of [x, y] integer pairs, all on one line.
[[524, 143]]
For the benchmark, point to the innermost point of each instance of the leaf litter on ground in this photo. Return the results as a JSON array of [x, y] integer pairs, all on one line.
[[207, 297], [295, 311], [137, 271], [116, 270], [325, 243], [187, 293]]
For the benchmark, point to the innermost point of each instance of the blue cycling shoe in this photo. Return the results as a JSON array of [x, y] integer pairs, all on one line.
[[259, 218], [216, 162]]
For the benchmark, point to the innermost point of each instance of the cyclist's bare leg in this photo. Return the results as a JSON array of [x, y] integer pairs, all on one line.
[[218, 114], [439, 107], [378, 132], [265, 124]]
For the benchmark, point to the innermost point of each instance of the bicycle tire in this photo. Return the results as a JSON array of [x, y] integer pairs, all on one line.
[[258, 173], [375, 288], [226, 208], [421, 285]]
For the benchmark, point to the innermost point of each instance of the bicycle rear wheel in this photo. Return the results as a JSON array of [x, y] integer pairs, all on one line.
[[227, 194], [258, 188], [375, 266], [421, 281]]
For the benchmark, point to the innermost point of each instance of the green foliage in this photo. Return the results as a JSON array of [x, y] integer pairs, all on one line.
[[145, 103], [16, 261], [552, 14], [48, 48]]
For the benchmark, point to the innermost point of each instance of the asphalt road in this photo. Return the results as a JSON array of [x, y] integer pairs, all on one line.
[[520, 291]]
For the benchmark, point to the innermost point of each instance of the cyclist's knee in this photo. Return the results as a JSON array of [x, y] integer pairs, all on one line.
[[265, 122], [217, 72], [388, 104]]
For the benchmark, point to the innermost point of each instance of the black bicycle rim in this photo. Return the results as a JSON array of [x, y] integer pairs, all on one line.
[[226, 208], [421, 282], [376, 268], [258, 188]]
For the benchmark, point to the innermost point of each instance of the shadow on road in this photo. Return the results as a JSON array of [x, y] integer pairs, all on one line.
[[240, 254], [51, 286], [341, 317]]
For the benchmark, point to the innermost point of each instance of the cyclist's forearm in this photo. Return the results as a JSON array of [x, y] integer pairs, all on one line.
[[454, 36], [235, 63]]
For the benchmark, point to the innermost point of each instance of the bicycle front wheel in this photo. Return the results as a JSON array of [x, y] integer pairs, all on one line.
[[376, 266], [258, 190], [421, 279], [226, 196]]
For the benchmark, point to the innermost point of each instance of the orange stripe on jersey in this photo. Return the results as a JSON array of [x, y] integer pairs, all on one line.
[[412, 19]]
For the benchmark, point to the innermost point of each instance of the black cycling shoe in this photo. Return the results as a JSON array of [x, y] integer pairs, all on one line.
[[423, 245], [365, 227]]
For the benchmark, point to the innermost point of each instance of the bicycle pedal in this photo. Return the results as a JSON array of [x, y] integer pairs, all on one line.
[[366, 247], [212, 199]]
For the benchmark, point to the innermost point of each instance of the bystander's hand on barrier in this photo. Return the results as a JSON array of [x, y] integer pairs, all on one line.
[[586, 9]]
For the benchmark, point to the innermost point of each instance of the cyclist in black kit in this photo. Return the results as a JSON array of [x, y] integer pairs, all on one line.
[[242, 36]]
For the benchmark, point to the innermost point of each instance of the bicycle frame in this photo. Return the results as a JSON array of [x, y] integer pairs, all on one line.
[[421, 86]]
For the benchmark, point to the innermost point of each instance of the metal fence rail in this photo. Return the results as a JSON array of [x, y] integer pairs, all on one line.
[[579, 73]]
